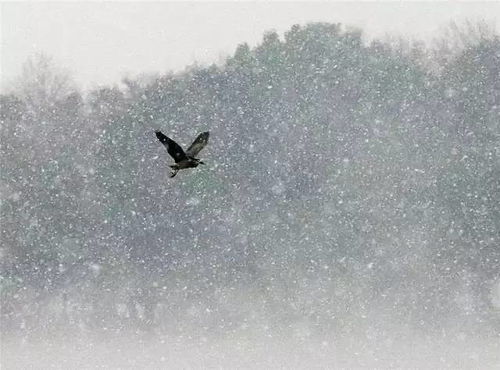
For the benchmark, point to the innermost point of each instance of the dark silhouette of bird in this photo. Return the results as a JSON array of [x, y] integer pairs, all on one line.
[[183, 159]]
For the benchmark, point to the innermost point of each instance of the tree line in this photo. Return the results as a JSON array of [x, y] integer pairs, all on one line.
[[346, 179]]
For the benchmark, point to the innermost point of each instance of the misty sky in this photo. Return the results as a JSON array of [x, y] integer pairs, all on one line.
[[102, 42]]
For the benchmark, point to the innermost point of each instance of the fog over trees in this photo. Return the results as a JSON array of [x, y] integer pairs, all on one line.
[[352, 190]]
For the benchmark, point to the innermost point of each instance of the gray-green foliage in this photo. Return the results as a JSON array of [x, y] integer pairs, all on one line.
[[343, 180]]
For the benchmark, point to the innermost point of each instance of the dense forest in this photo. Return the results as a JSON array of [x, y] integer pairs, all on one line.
[[350, 186]]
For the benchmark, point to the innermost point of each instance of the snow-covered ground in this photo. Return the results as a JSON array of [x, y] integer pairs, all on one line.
[[277, 352]]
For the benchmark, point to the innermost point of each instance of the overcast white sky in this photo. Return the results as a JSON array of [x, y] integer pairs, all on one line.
[[102, 42]]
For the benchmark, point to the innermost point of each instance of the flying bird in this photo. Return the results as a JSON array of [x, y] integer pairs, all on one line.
[[183, 159]]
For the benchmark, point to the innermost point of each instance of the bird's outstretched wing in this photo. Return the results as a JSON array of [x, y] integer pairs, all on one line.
[[173, 148], [198, 144]]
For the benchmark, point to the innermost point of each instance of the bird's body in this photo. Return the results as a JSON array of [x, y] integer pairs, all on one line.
[[183, 159]]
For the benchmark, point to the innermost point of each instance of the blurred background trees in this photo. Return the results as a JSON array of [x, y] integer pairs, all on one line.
[[345, 180]]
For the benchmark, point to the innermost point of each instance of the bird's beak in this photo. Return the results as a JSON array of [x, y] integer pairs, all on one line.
[[202, 162]]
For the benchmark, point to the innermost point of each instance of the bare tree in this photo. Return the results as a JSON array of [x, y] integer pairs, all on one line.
[[457, 37], [42, 84]]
